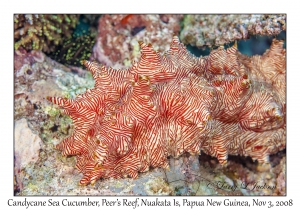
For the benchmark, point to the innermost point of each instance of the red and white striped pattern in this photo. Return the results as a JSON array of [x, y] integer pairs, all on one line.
[[167, 105]]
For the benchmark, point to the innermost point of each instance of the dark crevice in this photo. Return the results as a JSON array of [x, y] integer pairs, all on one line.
[[54, 128]]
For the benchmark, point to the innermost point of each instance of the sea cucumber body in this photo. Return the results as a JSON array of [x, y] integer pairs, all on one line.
[[166, 105]]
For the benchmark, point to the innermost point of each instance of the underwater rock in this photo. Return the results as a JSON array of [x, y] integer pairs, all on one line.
[[27, 144], [118, 36], [215, 30]]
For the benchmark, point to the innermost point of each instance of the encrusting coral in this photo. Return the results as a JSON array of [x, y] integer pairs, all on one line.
[[118, 36], [165, 105], [42, 32], [215, 30]]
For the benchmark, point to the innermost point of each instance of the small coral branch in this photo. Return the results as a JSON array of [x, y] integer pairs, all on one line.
[[42, 32]]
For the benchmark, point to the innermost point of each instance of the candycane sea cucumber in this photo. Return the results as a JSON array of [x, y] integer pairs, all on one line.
[[164, 105]]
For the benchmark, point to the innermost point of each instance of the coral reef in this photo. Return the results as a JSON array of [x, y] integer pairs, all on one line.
[[224, 104], [241, 176], [118, 36], [27, 147], [50, 173], [42, 32], [74, 50], [216, 30], [79, 47], [27, 144], [34, 73]]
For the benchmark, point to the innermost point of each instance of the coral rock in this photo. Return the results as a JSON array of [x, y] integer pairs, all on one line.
[[27, 144], [215, 30], [42, 32], [166, 105], [117, 41]]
